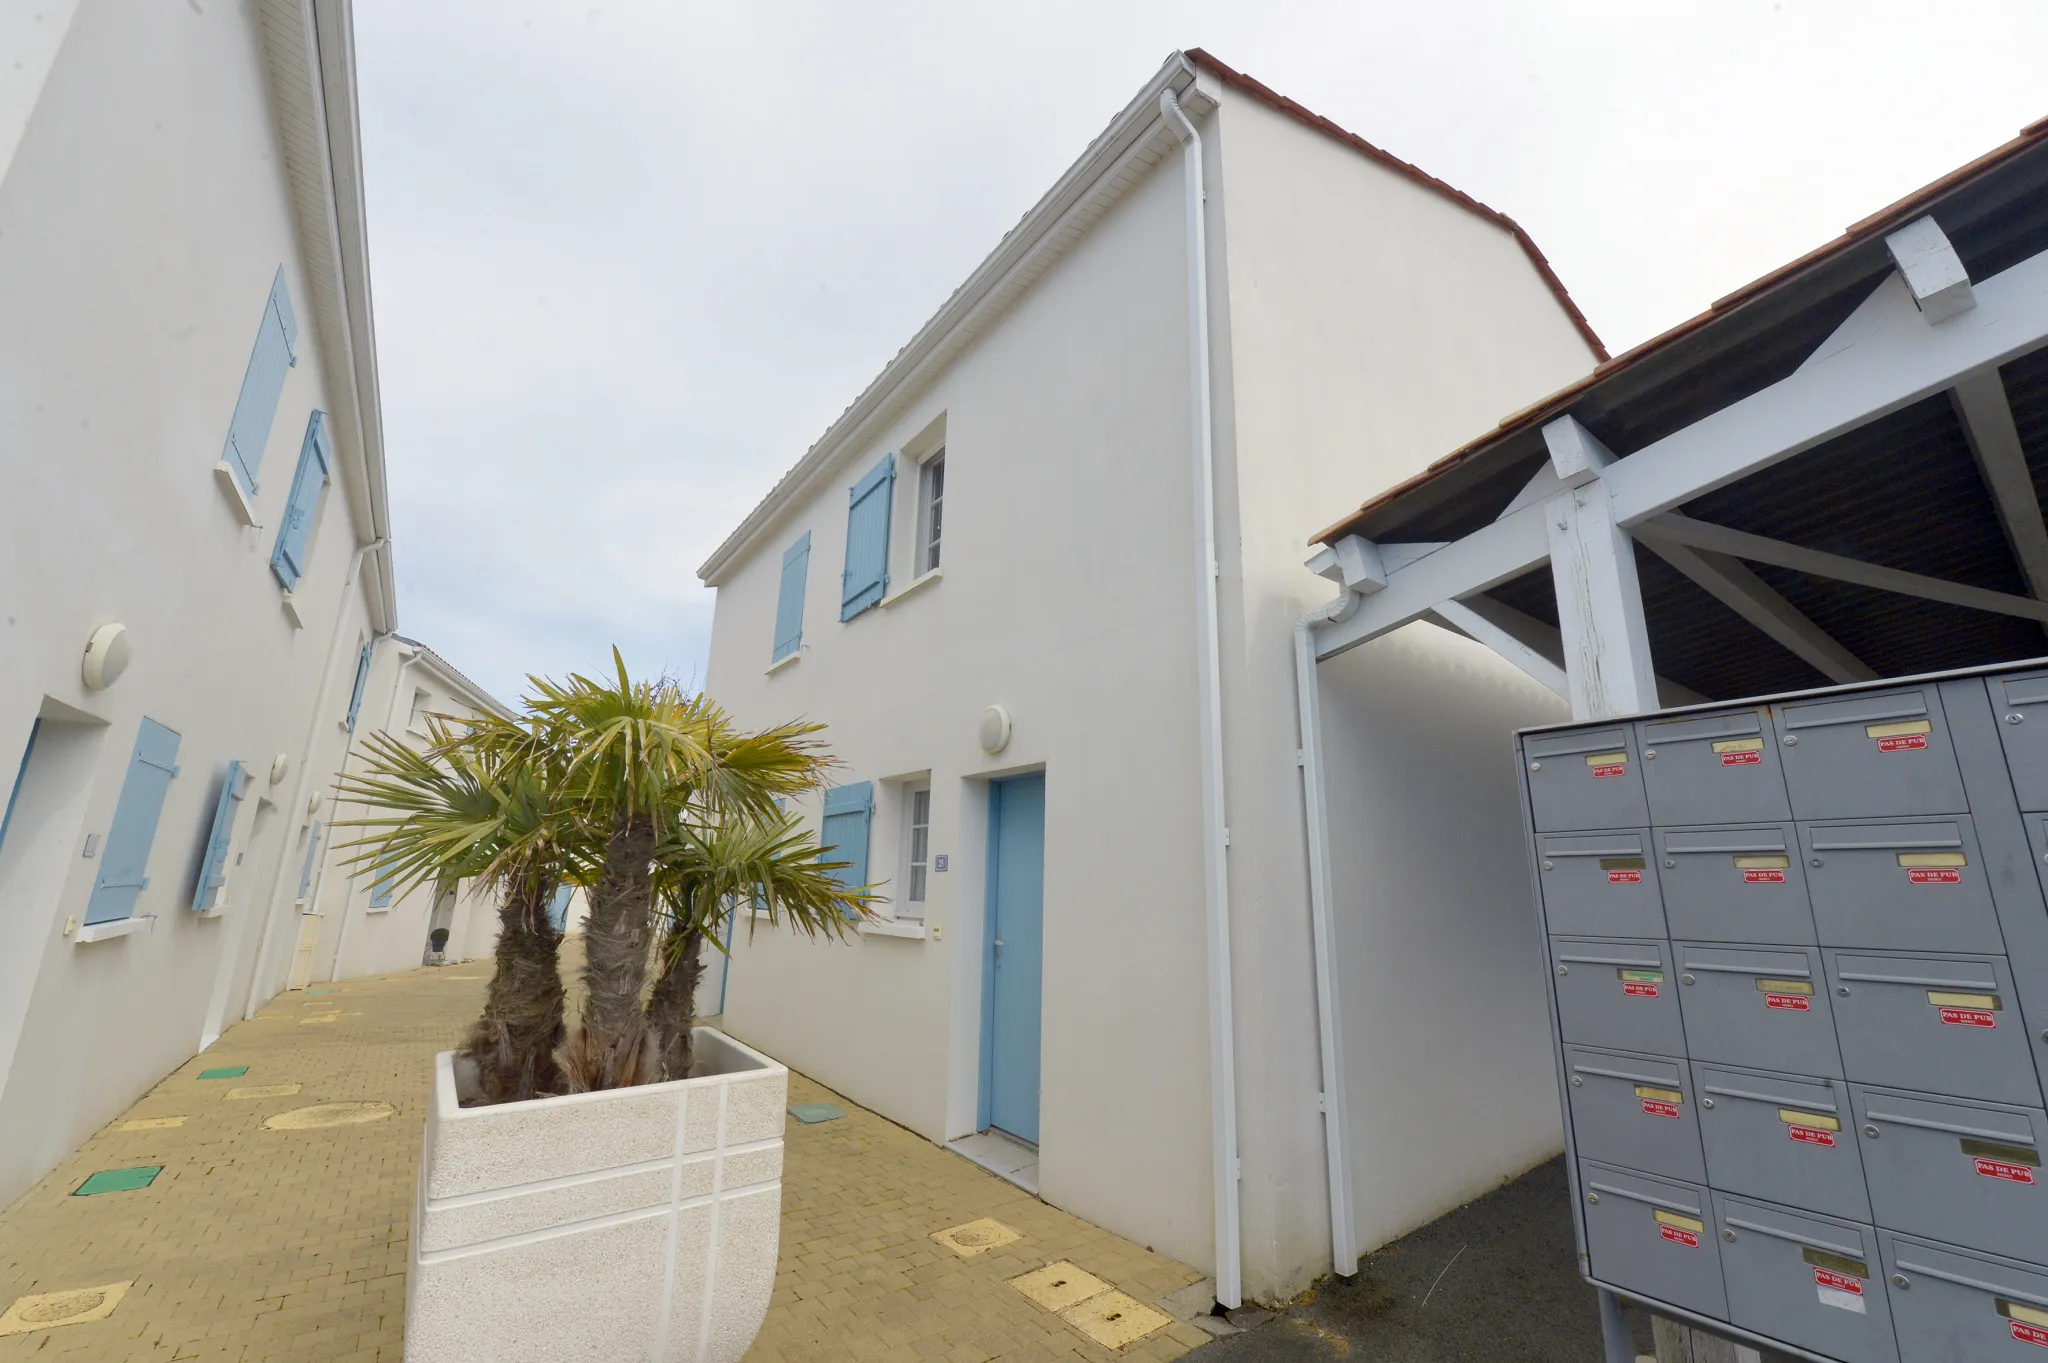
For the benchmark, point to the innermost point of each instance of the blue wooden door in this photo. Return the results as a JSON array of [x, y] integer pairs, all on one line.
[[1016, 959]]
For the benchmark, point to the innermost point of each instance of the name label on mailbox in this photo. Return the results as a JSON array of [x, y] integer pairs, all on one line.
[[1690, 1239], [2029, 1334], [1942, 876], [1839, 1290], [2000, 1169], [1624, 877], [1740, 752], [1909, 736], [1793, 1003], [1807, 1135], [1967, 1017]]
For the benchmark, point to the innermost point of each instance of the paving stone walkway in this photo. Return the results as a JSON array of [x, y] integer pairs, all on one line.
[[289, 1240]]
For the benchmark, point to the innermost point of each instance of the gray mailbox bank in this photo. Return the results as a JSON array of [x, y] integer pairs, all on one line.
[[1798, 959]]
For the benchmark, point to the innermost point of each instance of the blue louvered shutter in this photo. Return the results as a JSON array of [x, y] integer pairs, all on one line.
[[867, 539], [28, 750], [384, 888], [789, 604], [355, 700], [288, 559], [312, 856], [262, 385], [558, 907], [213, 867], [848, 812], [124, 859]]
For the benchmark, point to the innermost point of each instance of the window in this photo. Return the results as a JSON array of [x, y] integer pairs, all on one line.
[[931, 505], [355, 700], [124, 858], [917, 849], [417, 719], [789, 604], [384, 888], [262, 385], [867, 539], [302, 511], [207, 894]]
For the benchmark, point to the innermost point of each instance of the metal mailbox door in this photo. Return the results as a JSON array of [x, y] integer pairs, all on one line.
[[1616, 994], [1959, 1306], [1650, 1238], [1781, 1137], [1968, 1173], [1811, 1281], [1600, 884], [2022, 705], [1873, 755], [1759, 1007], [1584, 779], [1940, 1024], [1634, 1110], [1913, 885], [1734, 884], [1713, 768]]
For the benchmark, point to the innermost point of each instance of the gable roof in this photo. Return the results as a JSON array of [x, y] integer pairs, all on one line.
[[1135, 141]]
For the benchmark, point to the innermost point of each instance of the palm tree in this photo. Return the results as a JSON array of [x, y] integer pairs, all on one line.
[[463, 810]]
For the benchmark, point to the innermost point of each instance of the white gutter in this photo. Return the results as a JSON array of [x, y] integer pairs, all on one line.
[[1215, 830], [1316, 811], [296, 808]]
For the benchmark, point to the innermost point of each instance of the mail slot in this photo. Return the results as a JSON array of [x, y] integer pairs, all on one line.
[[1617, 994], [1721, 768], [1600, 883], [1960, 1305], [1734, 884], [1936, 1023], [1813, 1281], [1651, 1237], [1873, 755], [1968, 1173], [1587, 778], [1758, 1007], [1634, 1110], [1903, 885], [2022, 707], [1781, 1137]]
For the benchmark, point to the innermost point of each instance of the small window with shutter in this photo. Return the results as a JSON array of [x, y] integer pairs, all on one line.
[[124, 856], [789, 600], [262, 386], [302, 510], [867, 539], [849, 810], [355, 700], [209, 893]]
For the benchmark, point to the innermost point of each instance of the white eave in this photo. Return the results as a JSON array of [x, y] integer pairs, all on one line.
[[1135, 141], [454, 678], [309, 53]]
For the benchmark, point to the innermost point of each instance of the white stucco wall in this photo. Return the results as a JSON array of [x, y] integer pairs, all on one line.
[[1064, 596], [143, 216], [1371, 324]]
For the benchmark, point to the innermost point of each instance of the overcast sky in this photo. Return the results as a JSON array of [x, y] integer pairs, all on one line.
[[631, 259]]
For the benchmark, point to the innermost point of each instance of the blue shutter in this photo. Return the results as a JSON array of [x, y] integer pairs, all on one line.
[[312, 856], [262, 385], [124, 859], [384, 888], [27, 752], [288, 560], [355, 701], [789, 606], [558, 907], [213, 867], [844, 837], [867, 539]]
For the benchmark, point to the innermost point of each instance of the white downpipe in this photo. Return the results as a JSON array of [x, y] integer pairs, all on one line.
[[296, 809], [1216, 833], [1316, 812]]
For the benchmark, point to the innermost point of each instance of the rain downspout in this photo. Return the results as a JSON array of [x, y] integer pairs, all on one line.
[[405, 658], [1315, 810], [1216, 833]]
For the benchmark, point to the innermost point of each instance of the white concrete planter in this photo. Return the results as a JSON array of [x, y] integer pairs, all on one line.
[[633, 1224]]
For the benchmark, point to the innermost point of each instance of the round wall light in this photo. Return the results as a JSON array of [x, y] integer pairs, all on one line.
[[106, 656], [280, 767], [995, 730]]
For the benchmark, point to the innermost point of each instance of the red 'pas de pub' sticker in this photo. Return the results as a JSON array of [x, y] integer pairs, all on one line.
[[1902, 743], [1763, 877], [1797, 1003], [1679, 1237], [1635, 989], [1624, 877], [1741, 759], [1841, 1282], [1656, 1108], [1811, 1135], [1998, 1168], [1940, 876], [2029, 1334], [1967, 1017], [1617, 769]]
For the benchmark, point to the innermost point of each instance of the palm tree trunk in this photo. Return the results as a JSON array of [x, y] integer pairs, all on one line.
[[514, 1042], [673, 1006], [612, 1050]]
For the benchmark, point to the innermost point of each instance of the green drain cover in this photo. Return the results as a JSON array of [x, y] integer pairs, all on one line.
[[225, 1072], [119, 1180], [811, 1113]]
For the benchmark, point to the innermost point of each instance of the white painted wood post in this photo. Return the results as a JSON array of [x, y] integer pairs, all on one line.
[[1599, 600]]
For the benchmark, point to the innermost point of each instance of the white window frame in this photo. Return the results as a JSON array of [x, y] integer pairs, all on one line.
[[931, 520], [916, 860], [422, 706]]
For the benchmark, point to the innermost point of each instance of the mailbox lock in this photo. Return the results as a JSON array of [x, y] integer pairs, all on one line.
[[1593, 1198], [1791, 740], [1706, 1102], [1535, 766], [2014, 719], [1871, 1131], [1729, 1236], [1816, 861], [1901, 1281], [1550, 866], [1668, 862], [1649, 754], [1578, 1081], [1843, 990], [1686, 978], [1564, 970]]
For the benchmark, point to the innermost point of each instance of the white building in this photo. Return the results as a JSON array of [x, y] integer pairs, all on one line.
[[192, 478], [1041, 581]]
